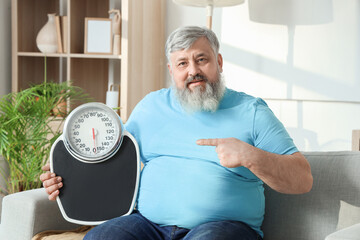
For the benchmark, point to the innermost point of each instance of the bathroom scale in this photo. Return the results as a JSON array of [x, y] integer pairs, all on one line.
[[99, 163]]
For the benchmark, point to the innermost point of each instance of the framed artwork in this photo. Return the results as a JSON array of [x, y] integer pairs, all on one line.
[[98, 36]]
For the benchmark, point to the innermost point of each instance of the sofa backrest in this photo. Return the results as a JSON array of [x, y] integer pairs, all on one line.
[[332, 204]]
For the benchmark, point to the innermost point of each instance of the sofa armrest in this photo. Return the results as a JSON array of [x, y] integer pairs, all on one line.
[[26, 213], [349, 233]]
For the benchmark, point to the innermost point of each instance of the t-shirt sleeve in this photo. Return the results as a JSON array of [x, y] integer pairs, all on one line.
[[133, 124], [269, 133]]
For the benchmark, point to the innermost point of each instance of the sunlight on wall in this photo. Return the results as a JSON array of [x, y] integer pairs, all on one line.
[[269, 41], [252, 82], [316, 54], [337, 38], [313, 90], [331, 54], [302, 57], [307, 65], [332, 122], [318, 126]]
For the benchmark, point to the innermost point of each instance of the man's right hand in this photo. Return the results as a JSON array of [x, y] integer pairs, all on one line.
[[51, 182]]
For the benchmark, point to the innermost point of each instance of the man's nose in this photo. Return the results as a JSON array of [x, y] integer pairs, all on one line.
[[193, 69]]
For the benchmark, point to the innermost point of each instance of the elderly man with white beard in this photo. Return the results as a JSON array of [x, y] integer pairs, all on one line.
[[206, 150]]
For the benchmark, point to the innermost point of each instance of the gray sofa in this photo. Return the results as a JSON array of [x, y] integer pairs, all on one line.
[[330, 211]]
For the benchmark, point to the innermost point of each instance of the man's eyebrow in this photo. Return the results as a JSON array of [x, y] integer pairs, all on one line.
[[180, 59], [200, 54]]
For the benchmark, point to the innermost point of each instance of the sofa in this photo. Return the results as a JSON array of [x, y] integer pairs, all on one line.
[[330, 211]]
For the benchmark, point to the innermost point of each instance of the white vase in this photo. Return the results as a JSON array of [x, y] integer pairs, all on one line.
[[46, 39]]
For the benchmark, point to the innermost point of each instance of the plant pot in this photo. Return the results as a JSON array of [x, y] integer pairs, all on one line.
[[61, 109]]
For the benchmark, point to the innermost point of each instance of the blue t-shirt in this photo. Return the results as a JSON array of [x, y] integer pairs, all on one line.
[[182, 183]]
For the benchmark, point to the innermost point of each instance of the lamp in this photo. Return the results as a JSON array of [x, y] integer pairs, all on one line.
[[209, 4]]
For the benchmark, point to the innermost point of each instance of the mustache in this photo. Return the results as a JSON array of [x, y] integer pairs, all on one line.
[[197, 77]]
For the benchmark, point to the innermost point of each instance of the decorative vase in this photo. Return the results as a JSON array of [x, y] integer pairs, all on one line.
[[116, 44], [46, 39], [116, 30], [112, 96]]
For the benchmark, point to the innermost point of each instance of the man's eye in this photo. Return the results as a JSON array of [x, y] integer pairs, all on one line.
[[181, 63]]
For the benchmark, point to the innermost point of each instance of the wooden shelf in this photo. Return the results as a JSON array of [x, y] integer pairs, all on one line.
[[138, 70], [69, 55], [39, 54], [80, 55]]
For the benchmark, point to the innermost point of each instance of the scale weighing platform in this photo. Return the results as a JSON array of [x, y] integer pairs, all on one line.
[[99, 163]]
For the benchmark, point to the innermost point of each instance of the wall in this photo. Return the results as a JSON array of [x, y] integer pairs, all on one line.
[[5, 47], [302, 57], [5, 64]]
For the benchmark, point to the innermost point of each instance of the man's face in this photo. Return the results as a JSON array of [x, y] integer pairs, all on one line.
[[199, 59], [196, 75]]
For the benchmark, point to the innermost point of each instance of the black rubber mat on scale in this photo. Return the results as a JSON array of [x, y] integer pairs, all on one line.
[[97, 191]]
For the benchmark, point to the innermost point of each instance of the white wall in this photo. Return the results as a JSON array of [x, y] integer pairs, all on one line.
[[302, 57]]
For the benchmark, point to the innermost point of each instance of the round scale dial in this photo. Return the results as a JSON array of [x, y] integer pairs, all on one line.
[[93, 132]]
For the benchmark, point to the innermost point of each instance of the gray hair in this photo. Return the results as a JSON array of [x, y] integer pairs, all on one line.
[[184, 37]]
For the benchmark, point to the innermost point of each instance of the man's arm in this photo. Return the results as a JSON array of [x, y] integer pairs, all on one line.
[[284, 173]]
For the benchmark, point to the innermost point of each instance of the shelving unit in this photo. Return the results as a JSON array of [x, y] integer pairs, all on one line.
[[138, 70]]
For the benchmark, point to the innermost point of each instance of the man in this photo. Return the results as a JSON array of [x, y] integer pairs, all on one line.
[[206, 151]]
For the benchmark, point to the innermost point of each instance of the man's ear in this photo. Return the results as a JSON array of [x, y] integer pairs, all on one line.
[[220, 62], [169, 68]]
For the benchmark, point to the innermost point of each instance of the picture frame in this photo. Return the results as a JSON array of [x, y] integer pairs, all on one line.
[[98, 36]]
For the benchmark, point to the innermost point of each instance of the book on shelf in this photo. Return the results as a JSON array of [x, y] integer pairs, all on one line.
[[64, 33], [58, 32]]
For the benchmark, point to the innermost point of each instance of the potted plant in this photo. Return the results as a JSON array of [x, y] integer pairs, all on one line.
[[27, 129]]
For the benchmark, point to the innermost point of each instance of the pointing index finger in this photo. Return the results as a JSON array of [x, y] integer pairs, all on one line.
[[208, 142]]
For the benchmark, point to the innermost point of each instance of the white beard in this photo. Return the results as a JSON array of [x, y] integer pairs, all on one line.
[[201, 98]]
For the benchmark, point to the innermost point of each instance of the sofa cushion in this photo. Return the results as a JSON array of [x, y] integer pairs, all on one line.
[[349, 233], [348, 214], [314, 215]]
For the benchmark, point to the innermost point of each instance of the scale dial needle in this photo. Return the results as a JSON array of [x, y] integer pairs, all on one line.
[[93, 135]]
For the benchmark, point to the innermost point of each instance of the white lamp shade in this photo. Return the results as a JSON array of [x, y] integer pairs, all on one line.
[[214, 3]]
